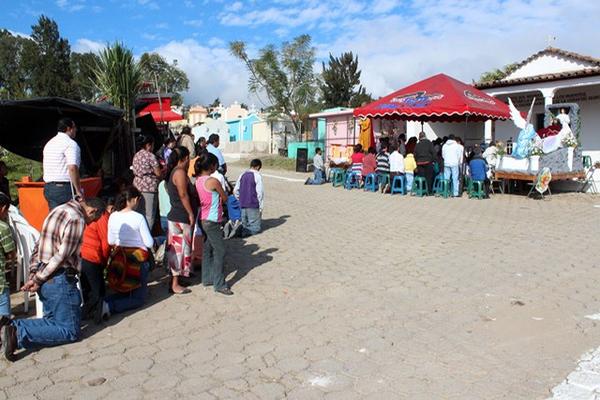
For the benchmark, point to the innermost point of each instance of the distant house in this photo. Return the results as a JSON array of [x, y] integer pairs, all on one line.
[[240, 129], [197, 115]]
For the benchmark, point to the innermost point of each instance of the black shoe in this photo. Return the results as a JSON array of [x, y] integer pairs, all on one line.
[[98, 312], [225, 291], [8, 333]]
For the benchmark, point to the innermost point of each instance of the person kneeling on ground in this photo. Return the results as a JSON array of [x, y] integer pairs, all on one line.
[[128, 270], [478, 167], [249, 191], [53, 275], [319, 165], [95, 252]]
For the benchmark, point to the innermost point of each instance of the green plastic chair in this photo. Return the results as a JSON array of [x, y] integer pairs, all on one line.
[[338, 178], [331, 173], [468, 186], [477, 190], [587, 162], [420, 188], [444, 188]]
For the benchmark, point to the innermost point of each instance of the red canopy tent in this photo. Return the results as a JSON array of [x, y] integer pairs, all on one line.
[[439, 98], [159, 108]]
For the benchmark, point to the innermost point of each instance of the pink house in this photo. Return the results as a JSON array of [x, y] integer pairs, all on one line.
[[338, 129]]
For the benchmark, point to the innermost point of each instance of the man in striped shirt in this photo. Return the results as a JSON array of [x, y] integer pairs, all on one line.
[[55, 264], [62, 157]]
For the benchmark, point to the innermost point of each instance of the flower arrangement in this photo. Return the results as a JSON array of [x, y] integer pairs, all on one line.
[[537, 151], [570, 141], [500, 149]]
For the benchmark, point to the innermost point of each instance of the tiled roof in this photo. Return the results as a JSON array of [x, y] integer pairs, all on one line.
[[592, 71]]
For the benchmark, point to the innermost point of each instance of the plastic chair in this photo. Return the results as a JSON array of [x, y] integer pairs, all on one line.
[[587, 162], [398, 184], [436, 182], [444, 188], [371, 183], [383, 179], [352, 181], [331, 173], [420, 188], [338, 178], [468, 184], [477, 190]]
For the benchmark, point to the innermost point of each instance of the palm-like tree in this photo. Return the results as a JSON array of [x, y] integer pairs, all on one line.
[[119, 78]]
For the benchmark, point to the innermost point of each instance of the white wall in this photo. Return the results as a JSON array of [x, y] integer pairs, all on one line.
[[548, 64]]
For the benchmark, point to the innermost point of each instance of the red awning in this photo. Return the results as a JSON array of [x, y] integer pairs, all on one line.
[[153, 106], [166, 116], [439, 98]]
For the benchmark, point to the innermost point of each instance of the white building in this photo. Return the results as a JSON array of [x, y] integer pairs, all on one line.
[[552, 76]]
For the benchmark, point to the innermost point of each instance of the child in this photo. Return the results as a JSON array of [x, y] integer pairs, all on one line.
[[409, 169], [7, 253], [95, 251], [168, 148], [249, 191]]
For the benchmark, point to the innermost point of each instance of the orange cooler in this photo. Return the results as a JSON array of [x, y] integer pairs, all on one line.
[[32, 202]]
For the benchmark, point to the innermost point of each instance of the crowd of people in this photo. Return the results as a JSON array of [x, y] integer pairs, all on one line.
[[179, 198], [445, 157]]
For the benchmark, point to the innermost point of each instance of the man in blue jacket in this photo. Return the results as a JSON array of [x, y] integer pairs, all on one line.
[[478, 167], [250, 192]]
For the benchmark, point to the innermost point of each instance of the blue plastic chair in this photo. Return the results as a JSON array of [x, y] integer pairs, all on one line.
[[398, 184], [352, 181], [371, 183], [383, 179]]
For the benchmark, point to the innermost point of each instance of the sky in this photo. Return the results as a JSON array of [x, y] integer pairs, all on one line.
[[397, 42]]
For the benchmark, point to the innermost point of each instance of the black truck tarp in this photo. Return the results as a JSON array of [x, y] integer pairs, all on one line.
[[26, 126]]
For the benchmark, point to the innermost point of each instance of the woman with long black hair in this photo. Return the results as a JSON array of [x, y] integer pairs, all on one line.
[[181, 218]]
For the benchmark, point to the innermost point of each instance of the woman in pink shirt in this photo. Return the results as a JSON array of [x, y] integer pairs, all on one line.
[[369, 163]]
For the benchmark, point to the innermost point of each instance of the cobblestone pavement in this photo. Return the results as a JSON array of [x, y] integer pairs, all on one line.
[[354, 295]]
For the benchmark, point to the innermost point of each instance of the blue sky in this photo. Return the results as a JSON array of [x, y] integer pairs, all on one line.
[[398, 42]]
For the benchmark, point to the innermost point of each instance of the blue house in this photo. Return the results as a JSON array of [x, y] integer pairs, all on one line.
[[240, 130]]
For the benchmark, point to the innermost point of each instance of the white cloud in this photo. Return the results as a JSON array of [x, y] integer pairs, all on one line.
[[196, 23], [395, 48], [213, 72], [20, 34], [235, 6], [86, 45], [459, 39]]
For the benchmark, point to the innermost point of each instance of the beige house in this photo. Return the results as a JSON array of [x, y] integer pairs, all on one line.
[[197, 115]]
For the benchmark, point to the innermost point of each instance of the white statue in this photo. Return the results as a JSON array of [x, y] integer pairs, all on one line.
[[563, 117], [523, 145], [551, 143]]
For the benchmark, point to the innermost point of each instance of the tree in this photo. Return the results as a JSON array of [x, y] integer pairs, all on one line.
[[15, 65], [340, 84], [216, 103], [284, 75], [497, 74], [82, 68], [170, 79], [51, 72], [119, 77]]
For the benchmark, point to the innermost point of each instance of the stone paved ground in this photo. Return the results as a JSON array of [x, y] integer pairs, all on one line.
[[353, 295]]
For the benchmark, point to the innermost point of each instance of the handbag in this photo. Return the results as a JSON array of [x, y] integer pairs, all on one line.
[[124, 269]]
